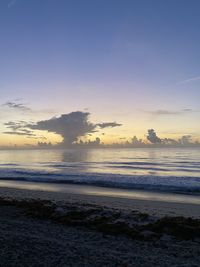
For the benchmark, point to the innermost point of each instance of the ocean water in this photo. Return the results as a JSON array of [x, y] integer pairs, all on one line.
[[166, 169]]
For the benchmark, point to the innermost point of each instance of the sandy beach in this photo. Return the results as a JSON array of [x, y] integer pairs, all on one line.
[[154, 203], [100, 133], [51, 228]]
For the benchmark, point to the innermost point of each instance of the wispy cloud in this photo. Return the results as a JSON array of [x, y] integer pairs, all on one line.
[[16, 106], [20, 133], [15, 125], [11, 3], [18, 128], [163, 112], [193, 79], [108, 124]]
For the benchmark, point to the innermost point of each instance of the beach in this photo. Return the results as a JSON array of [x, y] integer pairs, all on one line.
[[75, 228], [100, 133], [100, 207], [154, 203]]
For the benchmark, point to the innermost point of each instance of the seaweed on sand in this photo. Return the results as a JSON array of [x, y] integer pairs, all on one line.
[[108, 221]]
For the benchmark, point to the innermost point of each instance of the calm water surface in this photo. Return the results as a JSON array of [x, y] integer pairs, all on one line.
[[154, 169]]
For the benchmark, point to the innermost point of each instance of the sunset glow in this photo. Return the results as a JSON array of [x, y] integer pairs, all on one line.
[[131, 65]]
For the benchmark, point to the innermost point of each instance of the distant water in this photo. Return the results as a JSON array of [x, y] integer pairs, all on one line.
[[163, 169]]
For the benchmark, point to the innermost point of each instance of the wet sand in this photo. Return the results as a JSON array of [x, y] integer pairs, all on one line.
[[158, 204]]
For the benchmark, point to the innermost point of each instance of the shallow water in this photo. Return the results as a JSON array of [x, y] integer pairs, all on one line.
[[172, 169]]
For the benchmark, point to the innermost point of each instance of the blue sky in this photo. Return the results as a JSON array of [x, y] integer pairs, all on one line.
[[120, 60]]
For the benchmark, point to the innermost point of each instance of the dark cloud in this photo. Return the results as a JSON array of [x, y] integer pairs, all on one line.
[[17, 106], [108, 124], [152, 137], [69, 126]]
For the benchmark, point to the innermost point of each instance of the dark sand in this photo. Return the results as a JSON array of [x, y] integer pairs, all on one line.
[[31, 242], [28, 240]]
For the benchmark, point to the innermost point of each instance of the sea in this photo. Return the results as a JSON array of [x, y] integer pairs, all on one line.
[[152, 169]]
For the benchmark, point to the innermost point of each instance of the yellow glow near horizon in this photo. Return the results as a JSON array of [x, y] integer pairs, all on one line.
[[135, 124], [18, 140], [109, 138]]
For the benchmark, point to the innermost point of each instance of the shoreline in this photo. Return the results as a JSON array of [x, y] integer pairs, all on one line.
[[153, 203]]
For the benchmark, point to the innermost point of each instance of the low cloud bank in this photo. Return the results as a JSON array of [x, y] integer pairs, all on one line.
[[75, 125]]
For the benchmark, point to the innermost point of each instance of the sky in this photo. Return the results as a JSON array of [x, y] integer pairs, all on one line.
[[134, 63]]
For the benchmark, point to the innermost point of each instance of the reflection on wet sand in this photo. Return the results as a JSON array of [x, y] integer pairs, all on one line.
[[102, 191]]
